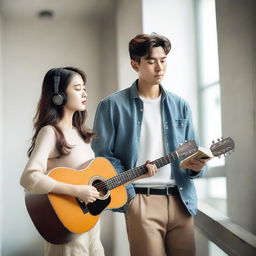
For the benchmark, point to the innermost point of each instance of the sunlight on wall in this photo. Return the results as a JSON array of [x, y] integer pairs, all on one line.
[[208, 70], [159, 17]]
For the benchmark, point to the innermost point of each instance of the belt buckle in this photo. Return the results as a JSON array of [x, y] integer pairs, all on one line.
[[167, 191], [148, 191]]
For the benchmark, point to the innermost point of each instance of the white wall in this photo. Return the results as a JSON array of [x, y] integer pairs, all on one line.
[[108, 84], [128, 24], [30, 48], [236, 22], [1, 124], [108, 53], [175, 19]]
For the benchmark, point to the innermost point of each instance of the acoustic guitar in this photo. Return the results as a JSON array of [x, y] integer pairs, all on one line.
[[60, 218]]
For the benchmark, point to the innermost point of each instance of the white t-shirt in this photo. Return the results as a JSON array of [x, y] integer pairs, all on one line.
[[151, 146]]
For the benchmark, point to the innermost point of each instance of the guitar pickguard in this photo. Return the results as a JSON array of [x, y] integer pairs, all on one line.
[[98, 206]]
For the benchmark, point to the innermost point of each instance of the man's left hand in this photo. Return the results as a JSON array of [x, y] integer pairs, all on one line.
[[196, 165]]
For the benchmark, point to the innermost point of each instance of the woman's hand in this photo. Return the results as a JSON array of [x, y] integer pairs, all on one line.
[[87, 193]]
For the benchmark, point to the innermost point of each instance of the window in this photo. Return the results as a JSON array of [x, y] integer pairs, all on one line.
[[208, 75], [210, 103]]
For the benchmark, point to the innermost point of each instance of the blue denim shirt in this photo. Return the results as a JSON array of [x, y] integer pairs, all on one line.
[[118, 125]]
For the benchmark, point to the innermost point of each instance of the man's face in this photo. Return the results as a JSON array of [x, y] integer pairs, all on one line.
[[151, 70]]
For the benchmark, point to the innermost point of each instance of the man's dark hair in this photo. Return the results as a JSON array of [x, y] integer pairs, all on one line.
[[141, 45]]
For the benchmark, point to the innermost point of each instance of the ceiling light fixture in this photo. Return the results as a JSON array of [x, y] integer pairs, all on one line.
[[45, 14]]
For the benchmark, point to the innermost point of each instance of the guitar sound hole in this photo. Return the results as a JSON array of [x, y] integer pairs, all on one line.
[[101, 187]]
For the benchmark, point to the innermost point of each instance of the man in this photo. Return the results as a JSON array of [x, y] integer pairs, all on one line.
[[145, 122]]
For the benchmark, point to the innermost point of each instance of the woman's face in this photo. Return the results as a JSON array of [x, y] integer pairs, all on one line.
[[76, 94]]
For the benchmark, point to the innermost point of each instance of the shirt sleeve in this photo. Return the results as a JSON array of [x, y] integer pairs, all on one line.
[[104, 126], [34, 178]]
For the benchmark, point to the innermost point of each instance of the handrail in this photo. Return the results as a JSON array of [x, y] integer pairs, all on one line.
[[218, 228]]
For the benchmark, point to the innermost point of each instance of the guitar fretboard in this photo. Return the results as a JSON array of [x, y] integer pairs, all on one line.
[[134, 173]]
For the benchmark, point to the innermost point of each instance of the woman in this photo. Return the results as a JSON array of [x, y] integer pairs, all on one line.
[[61, 139]]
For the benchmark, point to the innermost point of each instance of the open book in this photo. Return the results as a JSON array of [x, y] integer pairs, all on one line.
[[202, 153], [222, 146]]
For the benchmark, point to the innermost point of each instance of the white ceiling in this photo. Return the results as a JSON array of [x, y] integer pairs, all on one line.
[[61, 8]]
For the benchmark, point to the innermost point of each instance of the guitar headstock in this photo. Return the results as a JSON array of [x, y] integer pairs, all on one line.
[[187, 149], [222, 146]]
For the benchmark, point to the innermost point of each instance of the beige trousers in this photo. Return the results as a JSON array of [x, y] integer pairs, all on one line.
[[159, 225]]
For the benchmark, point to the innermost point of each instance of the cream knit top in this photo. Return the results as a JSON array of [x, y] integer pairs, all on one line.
[[43, 158]]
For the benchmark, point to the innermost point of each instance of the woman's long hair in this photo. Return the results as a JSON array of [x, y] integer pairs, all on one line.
[[50, 114]]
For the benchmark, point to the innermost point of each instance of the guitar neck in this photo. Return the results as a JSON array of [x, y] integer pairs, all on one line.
[[131, 174]]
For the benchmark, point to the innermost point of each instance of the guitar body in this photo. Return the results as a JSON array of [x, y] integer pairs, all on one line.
[[60, 218]]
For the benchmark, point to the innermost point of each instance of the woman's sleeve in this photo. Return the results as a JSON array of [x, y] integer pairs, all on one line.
[[34, 178]]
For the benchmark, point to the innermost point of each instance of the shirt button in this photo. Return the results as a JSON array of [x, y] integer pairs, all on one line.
[[181, 188], [141, 109]]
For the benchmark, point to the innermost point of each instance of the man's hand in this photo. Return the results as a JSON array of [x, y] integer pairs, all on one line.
[[152, 170], [196, 165]]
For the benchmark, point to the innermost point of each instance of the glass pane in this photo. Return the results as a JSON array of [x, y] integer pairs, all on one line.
[[213, 191], [205, 247], [208, 47], [215, 250], [217, 193], [217, 187], [211, 119]]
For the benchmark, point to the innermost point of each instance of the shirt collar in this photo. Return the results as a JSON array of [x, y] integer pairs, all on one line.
[[134, 91]]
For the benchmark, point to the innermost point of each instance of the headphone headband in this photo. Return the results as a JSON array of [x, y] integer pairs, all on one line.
[[59, 98], [56, 78]]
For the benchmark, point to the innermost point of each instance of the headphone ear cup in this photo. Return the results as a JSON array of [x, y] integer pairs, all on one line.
[[59, 99], [64, 97]]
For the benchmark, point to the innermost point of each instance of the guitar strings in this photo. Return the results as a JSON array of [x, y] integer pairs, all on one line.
[[103, 185]]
